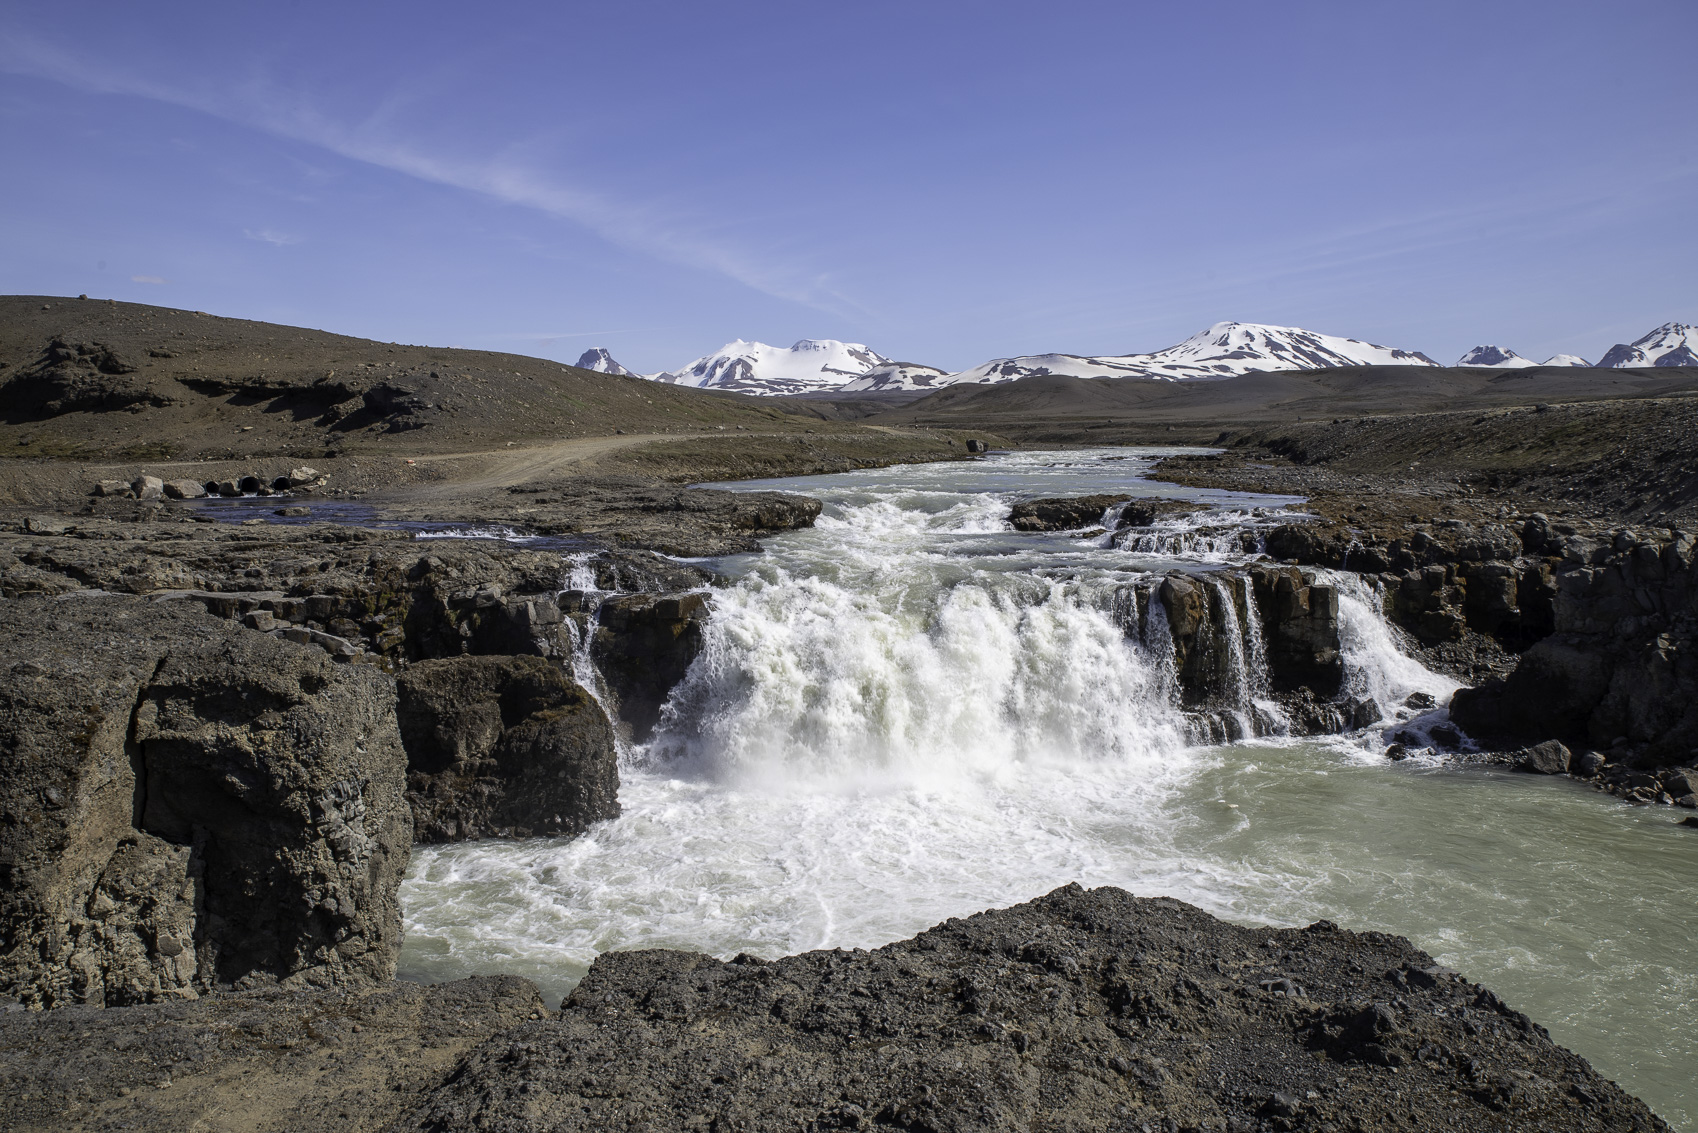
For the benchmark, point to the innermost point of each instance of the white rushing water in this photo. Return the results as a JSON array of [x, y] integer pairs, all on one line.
[[910, 712]]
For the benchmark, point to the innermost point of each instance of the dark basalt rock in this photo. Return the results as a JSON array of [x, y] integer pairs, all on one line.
[[643, 646], [1621, 660], [184, 803], [1080, 1010], [1548, 758], [503, 747], [1061, 513], [1301, 620], [1213, 623]]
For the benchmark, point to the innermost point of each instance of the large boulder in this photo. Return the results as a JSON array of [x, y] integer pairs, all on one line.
[[1062, 513], [1080, 1010], [643, 645], [1548, 758], [185, 804], [504, 747]]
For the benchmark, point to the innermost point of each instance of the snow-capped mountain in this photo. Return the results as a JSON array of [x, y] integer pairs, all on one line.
[[1496, 357], [754, 367], [1672, 344], [602, 362], [1225, 350]]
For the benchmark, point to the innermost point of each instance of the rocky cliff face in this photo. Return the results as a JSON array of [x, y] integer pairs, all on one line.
[[1080, 1010], [503, 747], [1619, 670], [379, 596], [1246, 638], [186, 803], [1601, 624]]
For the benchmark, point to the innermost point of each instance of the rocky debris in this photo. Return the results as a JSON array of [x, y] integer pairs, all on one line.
[[643, 646], [1622, 775], [186, 804], [1083, 1009], [310, 1061], [503, 747], [180, 490], [302, 480]]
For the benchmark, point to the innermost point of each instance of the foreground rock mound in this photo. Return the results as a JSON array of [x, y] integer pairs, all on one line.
[[1081, 1010], [504, 747], [186, 804]]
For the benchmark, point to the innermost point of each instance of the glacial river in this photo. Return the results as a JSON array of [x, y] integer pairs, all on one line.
[[910, 712]]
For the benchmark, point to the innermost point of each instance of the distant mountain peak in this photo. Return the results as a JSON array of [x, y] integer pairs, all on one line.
[[599, 360], [810, 365], [1495, 357], [1672, 344], [1565, 360]]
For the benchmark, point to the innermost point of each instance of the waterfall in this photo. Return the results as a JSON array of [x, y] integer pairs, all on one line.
[[905, 713], [809, 679], [579, 579], [1376, 667]]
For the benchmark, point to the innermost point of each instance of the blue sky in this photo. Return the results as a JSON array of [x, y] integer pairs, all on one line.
[[945, 182]]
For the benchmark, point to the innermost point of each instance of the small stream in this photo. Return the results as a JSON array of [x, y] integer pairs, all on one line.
[[910, 712]]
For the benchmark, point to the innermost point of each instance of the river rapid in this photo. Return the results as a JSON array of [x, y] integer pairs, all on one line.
[[910, 712]]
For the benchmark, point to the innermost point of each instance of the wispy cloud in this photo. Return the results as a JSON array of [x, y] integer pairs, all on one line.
[[270, 236], [644, 228], [148, 279]]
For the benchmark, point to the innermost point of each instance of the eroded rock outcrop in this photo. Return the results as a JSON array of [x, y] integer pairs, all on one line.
[[643, 646], [70, 375], [1619, 670], [1083, 1009], [503, 747], [184, 804], [1243, 636]]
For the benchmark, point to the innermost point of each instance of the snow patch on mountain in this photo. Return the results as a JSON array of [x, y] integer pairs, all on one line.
[[1672, 344], [1565, 360], [899, 376], [602, 362], [754, 367], [1495, 357]]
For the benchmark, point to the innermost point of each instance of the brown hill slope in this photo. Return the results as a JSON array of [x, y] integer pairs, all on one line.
[[98, 379], [1097, 411]]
